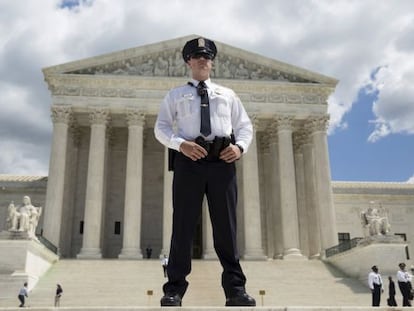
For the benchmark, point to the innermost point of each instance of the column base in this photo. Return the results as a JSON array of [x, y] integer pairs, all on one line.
[[130, 253], [293, 254], [90, 253], [210, 255], [315, 257], [254, 254]]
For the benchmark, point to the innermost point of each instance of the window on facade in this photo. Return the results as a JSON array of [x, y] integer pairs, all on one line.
[[343, 237], [81, 227], [117, 228]]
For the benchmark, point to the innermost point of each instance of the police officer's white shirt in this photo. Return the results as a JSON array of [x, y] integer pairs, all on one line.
[[374, 278], [179, 116], [403, 276]]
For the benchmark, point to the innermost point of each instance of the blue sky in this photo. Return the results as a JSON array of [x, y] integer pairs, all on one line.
[[367, 45], [354, 158]]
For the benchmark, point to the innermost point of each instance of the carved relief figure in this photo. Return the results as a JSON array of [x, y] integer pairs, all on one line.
[[161, 67], [176, 66], [375, 221], [241, 72], [146, 69], [225, 70]]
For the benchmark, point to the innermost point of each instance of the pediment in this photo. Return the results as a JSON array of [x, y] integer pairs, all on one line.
[[164, 59]]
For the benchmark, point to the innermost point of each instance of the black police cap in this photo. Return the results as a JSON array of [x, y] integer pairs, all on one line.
[[199, 46]]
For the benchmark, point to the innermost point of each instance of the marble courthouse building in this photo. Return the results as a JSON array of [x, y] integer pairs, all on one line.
[[109, 190]]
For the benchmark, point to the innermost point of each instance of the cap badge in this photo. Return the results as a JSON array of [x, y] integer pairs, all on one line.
[[201, 42]]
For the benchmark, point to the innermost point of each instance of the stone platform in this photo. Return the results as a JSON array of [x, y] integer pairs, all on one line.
[[125, 285], [293, 308]]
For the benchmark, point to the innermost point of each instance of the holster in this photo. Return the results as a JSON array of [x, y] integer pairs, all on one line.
[[213, 147], [171, 158]]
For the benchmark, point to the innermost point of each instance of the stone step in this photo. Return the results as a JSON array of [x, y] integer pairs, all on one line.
[[127, 283], [276, 308]]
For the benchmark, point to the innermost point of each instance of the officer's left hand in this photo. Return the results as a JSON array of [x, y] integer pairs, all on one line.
[[230, 153]]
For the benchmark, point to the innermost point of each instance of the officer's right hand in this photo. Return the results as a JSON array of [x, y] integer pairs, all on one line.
[[192, 150]]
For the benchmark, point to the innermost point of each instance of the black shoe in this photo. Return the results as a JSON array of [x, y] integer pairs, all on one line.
[[241, 300], [171, 300]]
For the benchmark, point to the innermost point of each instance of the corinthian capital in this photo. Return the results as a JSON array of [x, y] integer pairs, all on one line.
[[61, 114], [284, 122], [298, 141], [135, 117], [99, 116], [318, 124]]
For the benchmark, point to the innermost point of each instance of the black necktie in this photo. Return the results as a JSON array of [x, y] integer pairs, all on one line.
[[205, 127]]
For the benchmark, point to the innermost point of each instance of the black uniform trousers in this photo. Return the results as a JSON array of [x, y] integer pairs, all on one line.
[[192, 180], [376, 295], [405, 292]]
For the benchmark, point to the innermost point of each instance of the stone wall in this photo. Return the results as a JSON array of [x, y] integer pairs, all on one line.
[[396, 198]]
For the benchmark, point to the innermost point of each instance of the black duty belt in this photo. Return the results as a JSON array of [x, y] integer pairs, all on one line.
[[213, 147]]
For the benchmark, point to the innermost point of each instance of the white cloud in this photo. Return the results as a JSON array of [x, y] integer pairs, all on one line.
[[411, 180], [394, 109], [344, 39]]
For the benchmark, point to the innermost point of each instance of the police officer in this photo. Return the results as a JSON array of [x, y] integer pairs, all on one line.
[[182, 126], [375, 284], [404, 283]]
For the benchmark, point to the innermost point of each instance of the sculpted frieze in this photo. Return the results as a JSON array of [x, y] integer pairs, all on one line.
[[170, 64]]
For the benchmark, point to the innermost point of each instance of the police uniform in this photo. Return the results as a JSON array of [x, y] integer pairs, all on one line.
[[179, 121], [375, 284], [404, 283]]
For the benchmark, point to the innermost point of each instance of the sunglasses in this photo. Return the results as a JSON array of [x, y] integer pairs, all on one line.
[[203, 55]]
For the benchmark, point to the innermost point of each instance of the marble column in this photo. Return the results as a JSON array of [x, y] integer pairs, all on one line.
[[314, 239], [131, 246], [266, 200], [167, 208], [273, 188], [61, 117], [252, 217], [91, 243], [288, 202], [329, 235], [69, 196], [300, 193]]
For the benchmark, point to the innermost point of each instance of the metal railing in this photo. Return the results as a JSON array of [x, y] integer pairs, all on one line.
[[49, 245], [342, 247]]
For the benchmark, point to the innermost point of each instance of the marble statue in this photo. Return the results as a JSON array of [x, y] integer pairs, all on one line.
[[13, 215], [375, 221], [24, 218]]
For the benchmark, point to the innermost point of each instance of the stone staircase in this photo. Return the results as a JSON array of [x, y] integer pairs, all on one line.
[[129, 283]]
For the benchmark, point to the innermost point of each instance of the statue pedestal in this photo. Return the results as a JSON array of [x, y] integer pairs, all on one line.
[[23, 258], [384, 251], [14, 235]]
